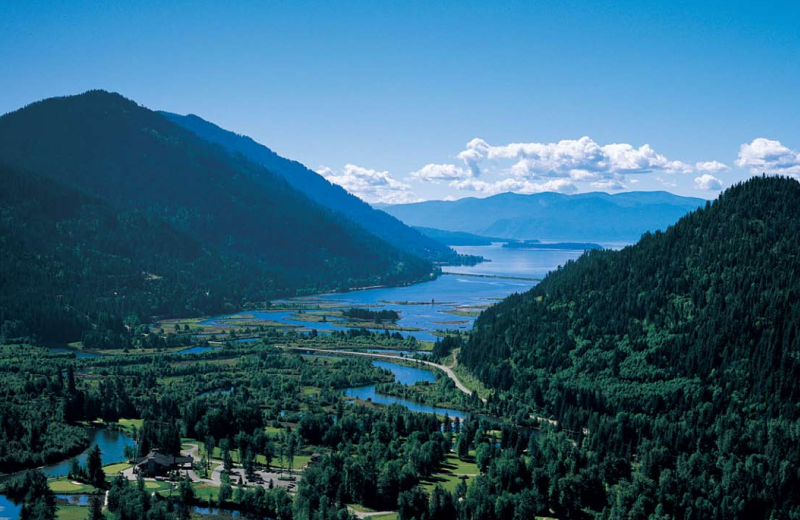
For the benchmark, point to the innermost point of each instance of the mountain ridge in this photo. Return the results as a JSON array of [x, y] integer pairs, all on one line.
[[319, 189], [593, 216], [266, 239]]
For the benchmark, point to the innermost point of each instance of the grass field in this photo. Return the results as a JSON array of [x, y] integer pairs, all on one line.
[[451, 474], [470, 381], [358, 508], [72, 513], [129, 424], [112, 469], [206, 492], [67, 487], [299, 462]]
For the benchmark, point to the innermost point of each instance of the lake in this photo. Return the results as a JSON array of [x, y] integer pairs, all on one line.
[[439, 304], [524, 263]]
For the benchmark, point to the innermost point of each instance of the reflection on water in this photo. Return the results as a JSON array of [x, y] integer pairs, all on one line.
[[526, 263], [369, 393], [76, 500], [216, 512], [112, 448], [407, 376], [404, 374], [8, 510]]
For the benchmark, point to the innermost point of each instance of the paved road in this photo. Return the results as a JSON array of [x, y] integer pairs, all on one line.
[[369, 514], [443, 368], [238, 474]]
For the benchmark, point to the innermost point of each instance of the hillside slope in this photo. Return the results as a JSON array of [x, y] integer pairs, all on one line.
[[680, 355], [552, 216], [268, 239], [69, 260], [318, 189]]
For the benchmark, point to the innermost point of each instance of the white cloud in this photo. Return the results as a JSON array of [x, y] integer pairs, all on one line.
[[581, 159], [440, 172], [769, 156], [515, 185], [711, 167], [707, 182], [609, 184], [370, 185], [667, 183]]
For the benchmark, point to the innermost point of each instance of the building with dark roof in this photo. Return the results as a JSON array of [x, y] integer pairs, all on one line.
[[156, 464]]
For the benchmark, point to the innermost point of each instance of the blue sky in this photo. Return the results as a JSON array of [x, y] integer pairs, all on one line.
[[401, 101]]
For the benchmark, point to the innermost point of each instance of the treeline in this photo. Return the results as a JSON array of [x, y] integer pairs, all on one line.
[[445, 346], [380, 453], [35, 406], [673, 363]]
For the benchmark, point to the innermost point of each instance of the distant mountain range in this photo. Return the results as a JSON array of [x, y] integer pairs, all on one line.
[[318, 189], [595, 217], [111, 210]]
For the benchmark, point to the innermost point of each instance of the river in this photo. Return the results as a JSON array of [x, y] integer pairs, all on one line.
[[407, 376]]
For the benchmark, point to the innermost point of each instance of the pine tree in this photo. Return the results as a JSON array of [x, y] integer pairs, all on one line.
[[95, 508], [94, 468]]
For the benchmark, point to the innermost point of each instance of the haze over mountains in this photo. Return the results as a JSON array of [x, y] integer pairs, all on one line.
[[111, 208], [597, 217], [318, 189]]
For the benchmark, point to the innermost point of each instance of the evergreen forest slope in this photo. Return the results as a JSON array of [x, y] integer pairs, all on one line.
[[109, 209], [320, 190], [675, 362]]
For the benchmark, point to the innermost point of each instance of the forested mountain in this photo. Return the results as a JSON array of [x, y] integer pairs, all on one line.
[[552, 216], [109, 209], [457, 238], [675, 362], [318, 189]]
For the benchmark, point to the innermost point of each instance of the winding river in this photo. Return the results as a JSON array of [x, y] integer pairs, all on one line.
[[407, 376]]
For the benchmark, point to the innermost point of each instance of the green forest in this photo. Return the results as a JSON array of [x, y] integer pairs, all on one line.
[[675, 362]]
